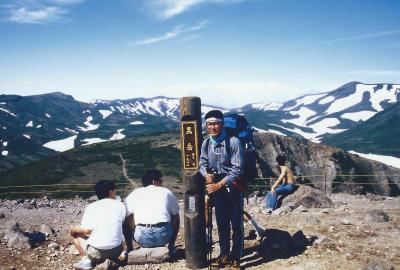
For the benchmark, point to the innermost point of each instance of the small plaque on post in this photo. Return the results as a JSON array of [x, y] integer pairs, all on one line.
[[189, 145]]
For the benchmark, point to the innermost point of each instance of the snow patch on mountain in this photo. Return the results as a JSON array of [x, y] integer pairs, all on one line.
[[61, 145], [71, 130], [388, 160], [326, 126], [351, 100], [383, 94], [357, 116], [326, 100], [92, 141], [136, 123], [303, 114], [309, 136], [89, 125], [105, 113], [305, 100], [7, 111], [269, 106], [118, 135]]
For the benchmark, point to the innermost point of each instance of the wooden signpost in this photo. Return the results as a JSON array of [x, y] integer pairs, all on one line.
[[193, 183]]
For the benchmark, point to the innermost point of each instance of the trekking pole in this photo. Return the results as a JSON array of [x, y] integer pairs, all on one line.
[[209, 233]]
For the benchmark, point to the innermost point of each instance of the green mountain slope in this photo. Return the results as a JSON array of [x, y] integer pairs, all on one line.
[[89, 164], [379, 134]]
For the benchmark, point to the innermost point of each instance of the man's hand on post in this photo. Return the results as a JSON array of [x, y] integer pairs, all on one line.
[[209, 178], [211, 188]]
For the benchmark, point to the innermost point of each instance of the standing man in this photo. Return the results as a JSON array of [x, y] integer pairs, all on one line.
[[152, 214], [221, 164], [99, 237]]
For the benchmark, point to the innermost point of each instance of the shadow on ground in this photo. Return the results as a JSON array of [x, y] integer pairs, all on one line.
[[274, 244]]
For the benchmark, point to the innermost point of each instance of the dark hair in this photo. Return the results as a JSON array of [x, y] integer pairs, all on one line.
[[150, 175], [214, 113], [281, 160], [103, 188]]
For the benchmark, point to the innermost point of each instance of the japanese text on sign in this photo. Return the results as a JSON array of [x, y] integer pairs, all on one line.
[[189, 145]]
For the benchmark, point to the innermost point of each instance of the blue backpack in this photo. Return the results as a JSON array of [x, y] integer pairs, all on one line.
[[238, 126]]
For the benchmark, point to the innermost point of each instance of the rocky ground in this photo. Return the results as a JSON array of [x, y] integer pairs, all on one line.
[[356, 232]]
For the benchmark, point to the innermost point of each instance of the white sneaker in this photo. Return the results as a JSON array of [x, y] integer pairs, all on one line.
[[268, 211], [84, 264]]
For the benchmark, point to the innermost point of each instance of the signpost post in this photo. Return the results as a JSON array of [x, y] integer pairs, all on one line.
[[193, 183]]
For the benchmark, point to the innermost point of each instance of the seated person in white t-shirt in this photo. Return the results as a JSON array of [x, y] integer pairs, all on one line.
[[152, 214], [99, 237]]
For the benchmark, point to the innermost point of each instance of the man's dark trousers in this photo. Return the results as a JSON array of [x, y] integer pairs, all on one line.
[[229, 210]]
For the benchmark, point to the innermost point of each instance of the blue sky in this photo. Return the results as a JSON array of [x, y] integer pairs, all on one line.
[[228, 52]]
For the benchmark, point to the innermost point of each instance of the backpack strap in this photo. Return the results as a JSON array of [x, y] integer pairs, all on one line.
[[207, 144], [227, 145]]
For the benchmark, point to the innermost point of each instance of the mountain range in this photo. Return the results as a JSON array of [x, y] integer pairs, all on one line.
[[33, 127]]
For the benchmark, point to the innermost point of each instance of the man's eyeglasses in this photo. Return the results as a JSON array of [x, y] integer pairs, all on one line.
[[209, 124]]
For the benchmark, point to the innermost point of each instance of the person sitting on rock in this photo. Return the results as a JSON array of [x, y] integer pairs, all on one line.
[[152, 214], [99, 237], [284, 186]]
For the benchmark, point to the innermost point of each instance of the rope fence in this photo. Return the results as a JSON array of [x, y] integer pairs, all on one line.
[[123, 188]]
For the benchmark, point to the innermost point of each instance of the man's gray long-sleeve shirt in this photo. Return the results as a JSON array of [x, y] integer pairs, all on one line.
[[216, 157]]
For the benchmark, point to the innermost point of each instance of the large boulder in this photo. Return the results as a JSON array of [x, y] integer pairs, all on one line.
[[280, 244], [376, 216], [148, 255], [15, 237], [307, 197]]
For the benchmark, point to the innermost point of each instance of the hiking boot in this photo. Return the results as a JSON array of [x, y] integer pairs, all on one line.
[[220, 262], [234, 265], [84, 264], [252, 235]]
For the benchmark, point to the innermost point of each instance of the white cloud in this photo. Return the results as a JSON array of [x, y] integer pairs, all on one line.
[[44, 15], [169, 8], [176, 32], [362, 37], [38, 11]]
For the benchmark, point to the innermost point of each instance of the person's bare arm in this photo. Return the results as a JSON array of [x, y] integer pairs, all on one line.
[[77, 231], [127, 230], [280, 179], [175, 222]]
